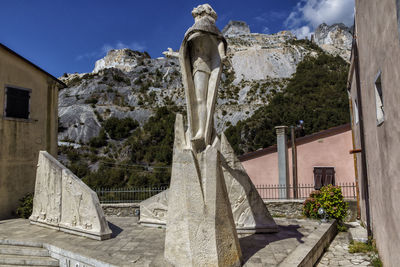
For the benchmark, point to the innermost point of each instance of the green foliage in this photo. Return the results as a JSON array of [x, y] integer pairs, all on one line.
[[342, 227], [305, 43], [120, 128], [24, 209], [330, 198], [119, 79], [315, 94], [361, 247], [368, 248], [79, 168], [153, 143], [92, 100], [151, 155], [100, 140]]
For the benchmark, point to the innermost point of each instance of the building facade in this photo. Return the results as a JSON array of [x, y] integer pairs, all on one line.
[[374, 85], [28, 124], [325, 150]]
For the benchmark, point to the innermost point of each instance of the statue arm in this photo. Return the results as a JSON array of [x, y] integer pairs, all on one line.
[[221, 51], [170, 53]]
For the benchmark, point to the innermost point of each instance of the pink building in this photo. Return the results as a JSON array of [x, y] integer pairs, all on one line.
[[327, 149]]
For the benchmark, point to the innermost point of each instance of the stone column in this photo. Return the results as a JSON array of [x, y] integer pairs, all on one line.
[[283, 163]]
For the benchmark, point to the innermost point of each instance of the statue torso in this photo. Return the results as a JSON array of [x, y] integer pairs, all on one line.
[[203, 52]]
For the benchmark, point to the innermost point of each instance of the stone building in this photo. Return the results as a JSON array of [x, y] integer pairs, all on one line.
[[374, 80], [28, 124]]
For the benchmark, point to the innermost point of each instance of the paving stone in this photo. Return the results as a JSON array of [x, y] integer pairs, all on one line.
[[338, 254], [136, 245]]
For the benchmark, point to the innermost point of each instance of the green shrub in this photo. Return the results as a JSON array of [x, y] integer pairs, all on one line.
[[330, 198], [92, 100], [24, 209], [368, 248], [120, 128], [79, 168], [100, 140]]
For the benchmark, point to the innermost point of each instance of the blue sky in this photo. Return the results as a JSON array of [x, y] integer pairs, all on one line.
[[69, 36]]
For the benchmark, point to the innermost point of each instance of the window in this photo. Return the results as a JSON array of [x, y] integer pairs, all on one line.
[[17, 103], [323, 176], [380, 114]]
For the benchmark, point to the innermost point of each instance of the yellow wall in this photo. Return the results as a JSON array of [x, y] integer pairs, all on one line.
[[21, 140]]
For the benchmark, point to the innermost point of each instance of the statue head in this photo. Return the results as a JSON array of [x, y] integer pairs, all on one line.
[[202, 11]]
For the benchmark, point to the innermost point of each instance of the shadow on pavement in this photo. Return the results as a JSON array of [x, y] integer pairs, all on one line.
[[115, 229], [251, 244]]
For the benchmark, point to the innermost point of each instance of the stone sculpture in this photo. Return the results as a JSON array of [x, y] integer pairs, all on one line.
[[249, 211], [200, 225], [63, 202]]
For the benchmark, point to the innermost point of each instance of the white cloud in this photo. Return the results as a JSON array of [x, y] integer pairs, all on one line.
[[107, 47], [311, 13], [302, 32]]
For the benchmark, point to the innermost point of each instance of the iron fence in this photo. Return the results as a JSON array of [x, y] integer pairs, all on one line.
[[127, 195], [276, 191], [267, 192]]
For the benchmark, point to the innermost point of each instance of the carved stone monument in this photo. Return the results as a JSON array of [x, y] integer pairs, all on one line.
[[63, 202], [207, 180]]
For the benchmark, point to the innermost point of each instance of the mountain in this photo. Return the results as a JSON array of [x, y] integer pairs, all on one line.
[[335, 39], [128, 83], [123, 111]]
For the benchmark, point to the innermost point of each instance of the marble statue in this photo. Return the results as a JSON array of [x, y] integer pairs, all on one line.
[[201, 55], [63, 202], [210, 197]]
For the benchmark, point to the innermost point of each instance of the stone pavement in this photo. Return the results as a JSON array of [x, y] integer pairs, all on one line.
[[136, 245], [338, 254]]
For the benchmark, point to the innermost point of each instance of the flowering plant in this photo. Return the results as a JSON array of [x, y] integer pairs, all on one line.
[[329, 198]]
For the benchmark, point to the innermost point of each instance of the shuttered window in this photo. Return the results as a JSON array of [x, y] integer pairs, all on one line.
[[323, 176], [17, 103]]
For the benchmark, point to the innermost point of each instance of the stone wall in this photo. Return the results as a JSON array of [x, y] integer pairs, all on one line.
[[121, 209], [294, 208], [277, 208]]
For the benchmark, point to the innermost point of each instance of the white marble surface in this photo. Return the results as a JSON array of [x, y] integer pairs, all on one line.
[[62, 201]]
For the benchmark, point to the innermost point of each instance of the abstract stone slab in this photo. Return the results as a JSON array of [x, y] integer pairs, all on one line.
[[200, 227], [249, 211], [63, 202]]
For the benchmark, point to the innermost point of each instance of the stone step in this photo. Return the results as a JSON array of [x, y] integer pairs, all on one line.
[[20, 243], [27, 260], [7, 265], [23, 250]]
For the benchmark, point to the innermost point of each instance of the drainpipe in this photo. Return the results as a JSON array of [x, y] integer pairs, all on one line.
[[362, 136], [355, 159]]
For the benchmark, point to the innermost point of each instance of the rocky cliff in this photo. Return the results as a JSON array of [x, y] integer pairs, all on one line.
[[335, 39], [128, 83]]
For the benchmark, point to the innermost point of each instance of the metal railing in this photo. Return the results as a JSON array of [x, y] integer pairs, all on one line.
[[267, 192], [127, 195], [276, 191]]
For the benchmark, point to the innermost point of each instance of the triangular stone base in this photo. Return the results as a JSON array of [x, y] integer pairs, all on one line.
[[200, 227], [249, 211]]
